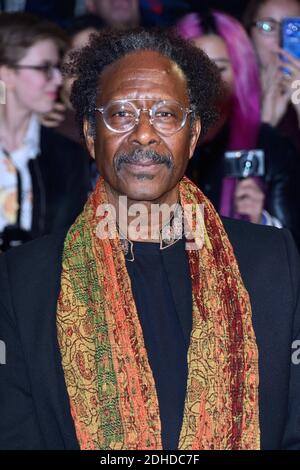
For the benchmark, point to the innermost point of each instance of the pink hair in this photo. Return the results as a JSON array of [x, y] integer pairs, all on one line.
[[245, 116]]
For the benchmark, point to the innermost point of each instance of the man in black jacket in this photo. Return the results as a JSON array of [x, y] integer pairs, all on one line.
[[55, 392]]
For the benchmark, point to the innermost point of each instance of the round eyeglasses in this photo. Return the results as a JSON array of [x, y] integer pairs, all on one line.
[[166, 116]]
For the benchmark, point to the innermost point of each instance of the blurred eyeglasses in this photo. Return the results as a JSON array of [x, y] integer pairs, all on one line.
[[47, 69], [166, 116], [267, 26]]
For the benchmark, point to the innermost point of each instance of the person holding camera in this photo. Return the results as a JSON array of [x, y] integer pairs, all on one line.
[[268, 196]]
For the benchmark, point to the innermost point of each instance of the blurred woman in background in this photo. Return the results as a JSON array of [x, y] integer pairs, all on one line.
[[62, 117], [263, 20], [271, 200], [43, 176]]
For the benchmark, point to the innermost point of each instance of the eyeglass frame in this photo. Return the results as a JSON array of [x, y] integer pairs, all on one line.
[[47, 69], [266, 20], [186, 111]]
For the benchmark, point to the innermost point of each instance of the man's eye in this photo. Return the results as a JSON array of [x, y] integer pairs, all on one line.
[[164, 114], [122, 114]]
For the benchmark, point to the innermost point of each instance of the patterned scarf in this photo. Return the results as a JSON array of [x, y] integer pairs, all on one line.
[[109, 380]]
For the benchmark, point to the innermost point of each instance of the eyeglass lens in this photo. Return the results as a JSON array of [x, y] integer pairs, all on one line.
[[47, 69], [50, 69], [268, 25]]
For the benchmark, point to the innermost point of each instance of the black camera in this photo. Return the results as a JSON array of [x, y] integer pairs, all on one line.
[[13, 236], [245, 163]]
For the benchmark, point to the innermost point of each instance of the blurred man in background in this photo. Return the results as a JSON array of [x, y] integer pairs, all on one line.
[[116, 13]]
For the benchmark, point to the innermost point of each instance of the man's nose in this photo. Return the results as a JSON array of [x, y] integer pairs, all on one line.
[[144, 132]]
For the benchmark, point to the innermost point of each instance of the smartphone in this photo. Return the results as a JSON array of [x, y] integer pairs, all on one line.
[[290, 38]]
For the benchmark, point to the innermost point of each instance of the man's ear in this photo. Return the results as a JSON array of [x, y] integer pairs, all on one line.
[[89, 138], [195, 134]]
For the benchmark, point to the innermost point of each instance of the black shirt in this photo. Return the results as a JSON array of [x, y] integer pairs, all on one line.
[[162, 291]]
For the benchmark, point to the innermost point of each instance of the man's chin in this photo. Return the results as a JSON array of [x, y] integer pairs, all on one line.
[[144, 196], [144, 189], [143, 185]]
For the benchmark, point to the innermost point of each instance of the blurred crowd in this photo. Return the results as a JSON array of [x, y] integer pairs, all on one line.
[[249, 163]]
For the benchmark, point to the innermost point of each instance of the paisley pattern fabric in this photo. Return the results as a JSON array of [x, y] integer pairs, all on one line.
[[111, 388]]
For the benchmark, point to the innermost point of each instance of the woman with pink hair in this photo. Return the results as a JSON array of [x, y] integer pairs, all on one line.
[[270, 200], [263, 20]]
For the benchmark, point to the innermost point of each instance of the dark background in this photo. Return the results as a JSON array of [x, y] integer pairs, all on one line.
[[161, 12]]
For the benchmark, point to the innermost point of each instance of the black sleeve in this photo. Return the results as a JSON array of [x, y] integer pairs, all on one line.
[[78, 186], [64, 167], [19, 429], [282, 178], [291, 440]]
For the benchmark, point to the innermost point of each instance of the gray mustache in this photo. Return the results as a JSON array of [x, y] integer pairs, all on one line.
[[143, 156]]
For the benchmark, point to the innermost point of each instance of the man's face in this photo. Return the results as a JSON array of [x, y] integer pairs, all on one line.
[[116, 13], [153, 163]]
